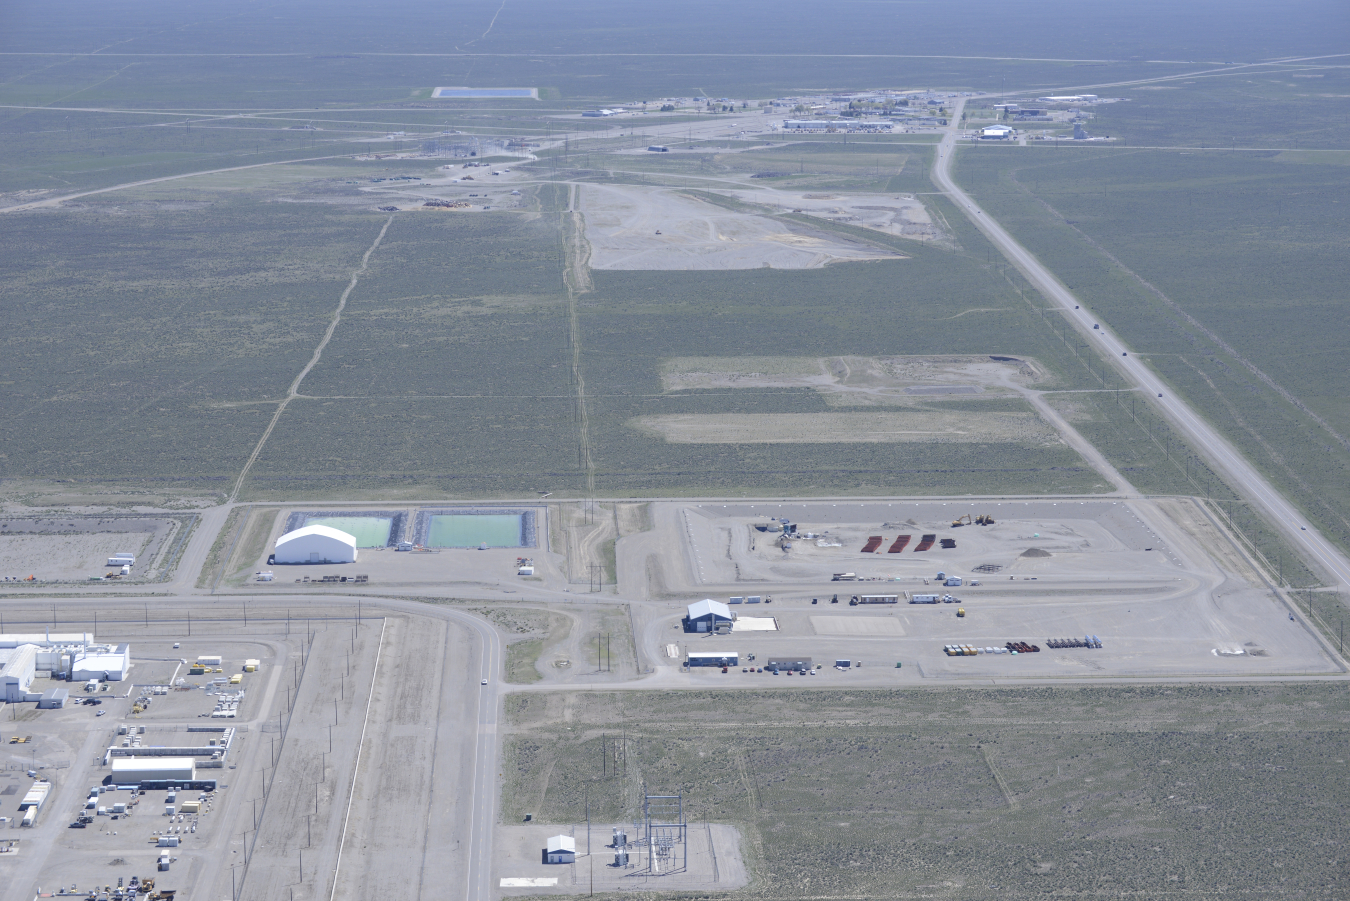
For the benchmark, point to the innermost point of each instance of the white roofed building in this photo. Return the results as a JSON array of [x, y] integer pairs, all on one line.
[[107, 663], [16, 677], [316, 544], [135, 770], [46, 639], [561, 849]]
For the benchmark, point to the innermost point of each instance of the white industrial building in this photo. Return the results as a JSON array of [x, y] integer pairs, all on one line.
[[73, 656], [316, 544], [996, 132], [561, 849], [20, 668], [106, 663], [135, 770], [707, 616], [45, 639]]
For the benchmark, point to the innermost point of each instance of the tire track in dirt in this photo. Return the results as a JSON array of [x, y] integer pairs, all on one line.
[[293, 391]]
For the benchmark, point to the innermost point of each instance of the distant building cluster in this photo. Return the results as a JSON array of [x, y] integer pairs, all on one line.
[[75, 657], [839, 126]]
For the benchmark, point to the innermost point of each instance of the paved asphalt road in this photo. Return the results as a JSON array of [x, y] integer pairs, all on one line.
[[483, 803], [1226, 458]]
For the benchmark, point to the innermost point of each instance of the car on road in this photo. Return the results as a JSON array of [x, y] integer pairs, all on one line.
[[100, 713], [484, 682]]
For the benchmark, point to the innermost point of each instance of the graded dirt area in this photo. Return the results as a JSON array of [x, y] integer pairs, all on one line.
[[833, 428], [642, 227], [902, 215], [68, 557], [1161, 601], [856, 381]]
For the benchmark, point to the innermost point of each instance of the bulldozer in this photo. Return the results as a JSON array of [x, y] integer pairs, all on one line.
[[984, 519], [958, 521]]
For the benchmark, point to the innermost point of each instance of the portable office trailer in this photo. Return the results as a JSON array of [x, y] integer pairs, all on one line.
[[713, 658]]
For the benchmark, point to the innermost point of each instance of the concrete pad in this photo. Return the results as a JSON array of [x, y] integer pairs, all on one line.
[[755, 624], [857, 625]]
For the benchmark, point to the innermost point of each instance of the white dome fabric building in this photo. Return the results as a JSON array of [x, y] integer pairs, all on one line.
[[315, 544]]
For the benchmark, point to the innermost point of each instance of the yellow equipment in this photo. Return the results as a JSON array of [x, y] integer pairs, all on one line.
[[957, 522], [984, 519], [961, 612]]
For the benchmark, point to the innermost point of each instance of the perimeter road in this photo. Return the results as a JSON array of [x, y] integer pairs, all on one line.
[[1202, 435]]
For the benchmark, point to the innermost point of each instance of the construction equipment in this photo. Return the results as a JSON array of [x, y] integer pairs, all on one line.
[[984, 519], [960, 612], [958, 521]]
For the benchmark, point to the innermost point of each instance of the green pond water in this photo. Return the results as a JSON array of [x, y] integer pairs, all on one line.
[[471, 530], [369, 531]]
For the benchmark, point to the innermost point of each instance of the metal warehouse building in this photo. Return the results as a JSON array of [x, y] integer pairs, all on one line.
[[134, 770], [707, 616], [316, 544], [54, 699]]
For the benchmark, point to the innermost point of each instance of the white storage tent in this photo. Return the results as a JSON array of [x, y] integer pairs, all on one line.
[[316, 544]]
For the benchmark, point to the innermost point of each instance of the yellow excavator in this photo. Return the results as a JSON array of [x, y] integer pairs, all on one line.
[[984, 519], [958, 521]]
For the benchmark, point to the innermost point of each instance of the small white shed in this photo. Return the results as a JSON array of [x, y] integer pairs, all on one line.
[[561, 849]]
